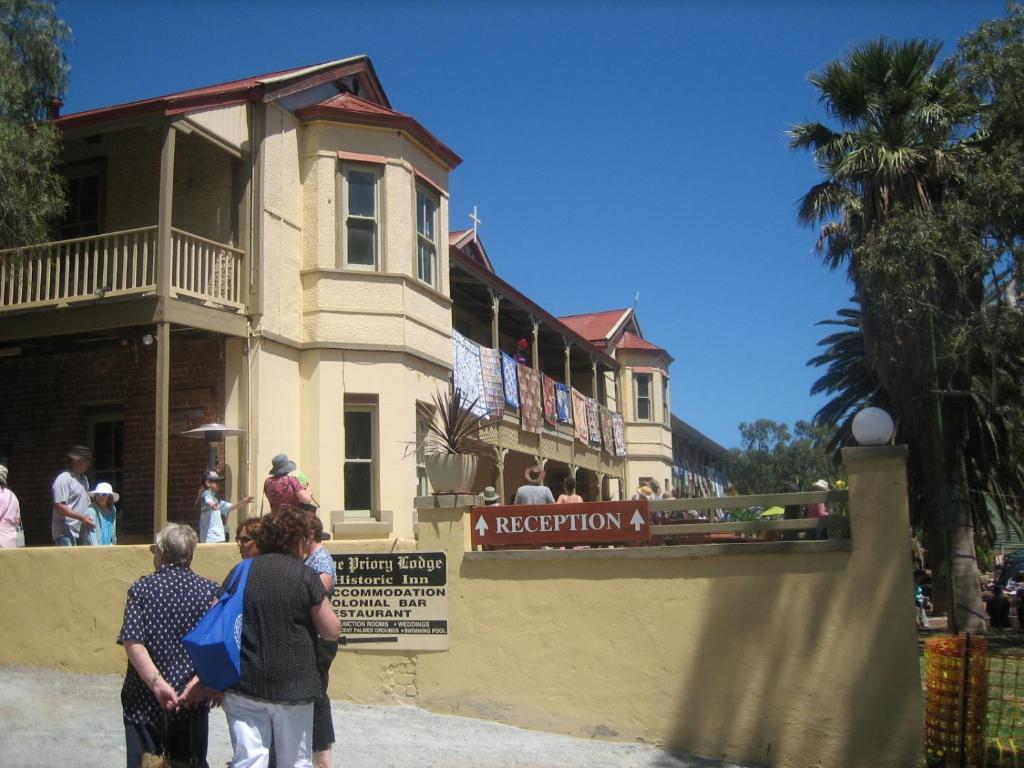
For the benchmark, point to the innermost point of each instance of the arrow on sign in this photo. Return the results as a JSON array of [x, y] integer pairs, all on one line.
[[481, 526], [637, 521]]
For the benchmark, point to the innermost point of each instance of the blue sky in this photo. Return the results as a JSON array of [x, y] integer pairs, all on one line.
[[610, 147]]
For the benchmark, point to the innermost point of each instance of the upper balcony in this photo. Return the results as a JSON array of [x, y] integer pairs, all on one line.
[[156, 215], [88, 269]]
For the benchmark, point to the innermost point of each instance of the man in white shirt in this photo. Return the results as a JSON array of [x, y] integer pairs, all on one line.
[[533, 492], [71, 521]]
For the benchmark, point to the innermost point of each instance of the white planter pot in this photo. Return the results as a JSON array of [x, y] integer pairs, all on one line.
[[451, 472]]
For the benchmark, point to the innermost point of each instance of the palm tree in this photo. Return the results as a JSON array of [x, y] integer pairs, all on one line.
[[895, 161], [848, 378]]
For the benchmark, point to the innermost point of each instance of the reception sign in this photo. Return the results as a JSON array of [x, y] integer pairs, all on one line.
[[599, 522]]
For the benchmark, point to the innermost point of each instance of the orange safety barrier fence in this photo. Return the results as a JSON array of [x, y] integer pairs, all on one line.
[[956, 682]]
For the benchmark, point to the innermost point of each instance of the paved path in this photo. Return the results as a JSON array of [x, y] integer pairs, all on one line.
[[55, 718]]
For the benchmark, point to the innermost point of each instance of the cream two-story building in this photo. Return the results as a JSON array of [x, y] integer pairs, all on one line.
[[274, 254]]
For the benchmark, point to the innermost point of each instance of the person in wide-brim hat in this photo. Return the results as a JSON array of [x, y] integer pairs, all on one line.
[[533, 474], [104, 515], [80, 453], [281, 465], [490, 496]]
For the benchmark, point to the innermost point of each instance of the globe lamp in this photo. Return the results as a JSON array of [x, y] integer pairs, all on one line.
[[873, 426]]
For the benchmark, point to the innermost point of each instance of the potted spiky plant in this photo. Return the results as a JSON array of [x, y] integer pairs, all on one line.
[[453, 445]]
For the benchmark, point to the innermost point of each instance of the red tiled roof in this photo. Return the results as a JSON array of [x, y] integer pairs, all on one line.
[[470, 246], [631, 341], [218, 95], [355, 109], [595, 326]]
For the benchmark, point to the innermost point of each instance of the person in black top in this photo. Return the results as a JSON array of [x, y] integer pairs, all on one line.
[[998, 607], [161, 608], [271, 707]]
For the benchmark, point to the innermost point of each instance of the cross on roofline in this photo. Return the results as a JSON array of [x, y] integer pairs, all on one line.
[[476, 221]]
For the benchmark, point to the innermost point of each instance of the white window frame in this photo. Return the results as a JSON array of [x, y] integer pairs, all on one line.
[[421, 238], [637, 397], [422, 431], [373, 461], [343, 214]]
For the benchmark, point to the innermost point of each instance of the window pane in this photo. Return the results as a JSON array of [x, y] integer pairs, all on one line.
[[361, 197], [358, 435], [643, 409], [643, 386], [360, 242], [426, 263], [357, 485], [425, 215]]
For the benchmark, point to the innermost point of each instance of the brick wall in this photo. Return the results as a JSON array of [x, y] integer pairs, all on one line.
[[47, 402]]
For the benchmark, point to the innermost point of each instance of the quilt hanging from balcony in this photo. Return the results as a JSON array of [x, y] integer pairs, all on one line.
[[607, 432], [579, 416], [594, 422], [468, 374], [494, 385], [510, 374], [619, 433], [563, 403], [530, 409], [548, 386]]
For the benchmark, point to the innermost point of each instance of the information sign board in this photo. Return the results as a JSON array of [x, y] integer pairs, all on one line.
[[392, 601], [594, 522]]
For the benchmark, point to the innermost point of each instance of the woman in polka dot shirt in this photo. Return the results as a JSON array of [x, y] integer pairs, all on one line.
[[162, 607]]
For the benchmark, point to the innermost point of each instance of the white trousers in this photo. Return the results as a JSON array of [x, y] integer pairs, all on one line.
[[258, 726]]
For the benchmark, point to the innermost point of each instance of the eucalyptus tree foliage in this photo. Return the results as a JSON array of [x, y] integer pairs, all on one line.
[[772, 459], [33, 71]]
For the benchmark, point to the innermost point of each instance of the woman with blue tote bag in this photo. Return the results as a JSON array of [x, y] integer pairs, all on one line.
[[284, 607]]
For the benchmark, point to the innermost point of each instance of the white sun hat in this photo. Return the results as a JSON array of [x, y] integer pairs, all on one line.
[[104, 488]]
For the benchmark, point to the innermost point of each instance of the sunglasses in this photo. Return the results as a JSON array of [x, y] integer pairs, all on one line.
[[243, 539]]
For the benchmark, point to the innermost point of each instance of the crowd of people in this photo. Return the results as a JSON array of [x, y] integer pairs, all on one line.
[[278, 713]]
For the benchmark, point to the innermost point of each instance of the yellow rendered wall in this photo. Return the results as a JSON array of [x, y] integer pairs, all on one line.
[[282, 226], [788, 659], [784, 659]]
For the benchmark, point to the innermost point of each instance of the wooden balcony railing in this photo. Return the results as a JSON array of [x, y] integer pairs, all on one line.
[[118, 264], [206, 269]]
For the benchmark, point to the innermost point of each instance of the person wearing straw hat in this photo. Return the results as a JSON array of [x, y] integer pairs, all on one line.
[[533, 492], [71, 499], [10, 513], [284, 491], [103, 514]]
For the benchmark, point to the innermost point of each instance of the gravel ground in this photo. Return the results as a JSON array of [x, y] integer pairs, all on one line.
[[62, 718]]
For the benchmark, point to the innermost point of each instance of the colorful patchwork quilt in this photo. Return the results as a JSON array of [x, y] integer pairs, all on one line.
[[530, 408], [619, 432], [510, 375], [594, 422], [494, 385], [579, 416], [467, 374], [548, 386], [563, 403], [607, 436]]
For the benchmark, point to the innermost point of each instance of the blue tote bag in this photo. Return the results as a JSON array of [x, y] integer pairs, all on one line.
[[215, 644]]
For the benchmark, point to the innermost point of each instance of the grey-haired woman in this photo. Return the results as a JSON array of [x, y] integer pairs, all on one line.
[[163, 607]]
